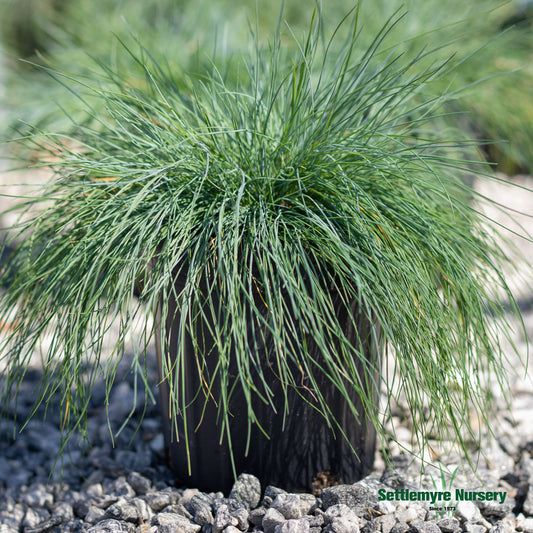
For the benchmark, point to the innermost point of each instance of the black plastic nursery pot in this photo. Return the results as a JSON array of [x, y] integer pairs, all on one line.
[[302, 450]]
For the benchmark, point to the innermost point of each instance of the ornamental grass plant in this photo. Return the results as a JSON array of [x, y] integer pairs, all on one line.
[[309, 170]]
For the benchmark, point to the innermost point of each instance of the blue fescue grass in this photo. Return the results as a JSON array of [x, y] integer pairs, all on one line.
[[312, 170]]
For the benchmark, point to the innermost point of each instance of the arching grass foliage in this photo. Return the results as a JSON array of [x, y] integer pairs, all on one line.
[[313, 171]]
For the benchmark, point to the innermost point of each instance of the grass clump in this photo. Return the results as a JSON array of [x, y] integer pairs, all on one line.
[[314, 170]]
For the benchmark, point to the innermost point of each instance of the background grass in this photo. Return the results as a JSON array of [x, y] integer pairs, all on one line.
[[184, 34]]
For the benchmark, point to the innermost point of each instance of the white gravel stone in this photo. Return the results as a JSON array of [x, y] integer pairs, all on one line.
[[95, 514], [524, 524], [385, 507], [307, 502], [341, 519], [95, 489], [293, 526], [474, 528], [503, 526], [37, 498], [34, 517], [468, 512], [385, 522], [406, 515], [4, 528]]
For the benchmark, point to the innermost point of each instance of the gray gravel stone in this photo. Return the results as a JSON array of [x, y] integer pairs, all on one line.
[[158, 500], [271, 519], [140, 484], [74, 526], [342, 525], [13, 516], [308, 503], [123, 510], [157, 444], [369, 526], [133, 460], [177, 521], [400, 527], [82, 506], [385, 523], [293, 526], [122, 399], [256, 515], [316, 520], [144, 510], [420, 526], [357, 497], [111, 526], [63, 511], [270, 495], [37, 498], [7, 502], [95, 489], [528, 502], [247, 489], [34, 517], [44, 527], [502, 526], [288, 505], [242, 515], [200, 508], [449, 524], [495, 508], [223, 519], [106, 500], [335, 511], [187, 495], [178, 509], [122, 488]]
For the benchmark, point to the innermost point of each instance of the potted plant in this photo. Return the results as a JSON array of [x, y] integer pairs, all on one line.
[[284, 230]]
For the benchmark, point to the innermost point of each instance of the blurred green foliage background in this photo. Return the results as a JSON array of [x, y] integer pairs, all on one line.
[[489, 44]]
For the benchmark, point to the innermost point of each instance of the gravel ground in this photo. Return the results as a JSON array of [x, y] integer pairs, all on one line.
[[123, 484], [105, 486]]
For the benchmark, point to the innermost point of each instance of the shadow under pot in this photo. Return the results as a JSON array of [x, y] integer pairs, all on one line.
[[302, 450]]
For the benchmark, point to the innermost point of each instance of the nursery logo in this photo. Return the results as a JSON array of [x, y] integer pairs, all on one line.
[[442, 500]]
